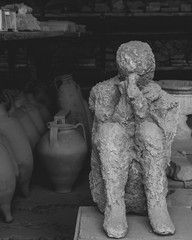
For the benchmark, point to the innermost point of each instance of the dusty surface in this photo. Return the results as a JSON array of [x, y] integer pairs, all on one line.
[[46, 215], [134, 125]]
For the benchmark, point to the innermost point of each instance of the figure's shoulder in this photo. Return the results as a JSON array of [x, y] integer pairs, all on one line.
[[107, 85], [166, 100]]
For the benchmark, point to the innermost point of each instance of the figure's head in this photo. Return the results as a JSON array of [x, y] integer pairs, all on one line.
[[136, 57]]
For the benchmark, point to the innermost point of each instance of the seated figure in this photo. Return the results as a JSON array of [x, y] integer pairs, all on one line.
[[135, 122]]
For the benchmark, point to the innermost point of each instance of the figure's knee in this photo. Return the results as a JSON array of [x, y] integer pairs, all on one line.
[[114, 145], [111, 133], [151, 136]]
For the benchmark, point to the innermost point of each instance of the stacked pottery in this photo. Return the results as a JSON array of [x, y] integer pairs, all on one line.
[[182, 91], [70, 99], [23, 117], [21, 100], [42, 95], [8, 174], [62, 152], [43, 109], [13, 131]]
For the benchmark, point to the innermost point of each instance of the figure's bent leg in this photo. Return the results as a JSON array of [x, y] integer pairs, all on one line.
[[115, 155], [135, 198], [96, 180], [150, 143]]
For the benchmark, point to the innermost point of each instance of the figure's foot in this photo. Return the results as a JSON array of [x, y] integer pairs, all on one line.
[[160, 220], [115, 223]]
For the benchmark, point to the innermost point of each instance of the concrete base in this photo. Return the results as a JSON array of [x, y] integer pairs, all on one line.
[[90, 221]]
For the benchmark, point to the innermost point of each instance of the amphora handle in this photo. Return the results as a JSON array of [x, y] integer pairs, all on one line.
[[83, 128], [59, 121]]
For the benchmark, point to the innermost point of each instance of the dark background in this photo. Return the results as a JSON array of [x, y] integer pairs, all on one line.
[[165, 25]]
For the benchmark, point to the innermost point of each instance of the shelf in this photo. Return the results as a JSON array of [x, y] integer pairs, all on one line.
[[146, 34], [26, 35], [171, 68], [110, 14]]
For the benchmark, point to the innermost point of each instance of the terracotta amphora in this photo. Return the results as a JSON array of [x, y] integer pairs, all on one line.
[[42, 95], [21, 101], [12, 129], [43, 109], [8, 174], [7, 183], [62, 152], [70, 99], [25, 120]]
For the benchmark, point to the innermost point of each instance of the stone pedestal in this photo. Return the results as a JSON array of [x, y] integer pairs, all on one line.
[[90, 220]]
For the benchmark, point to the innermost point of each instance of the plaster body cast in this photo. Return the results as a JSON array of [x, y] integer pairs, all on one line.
[[134, 125]]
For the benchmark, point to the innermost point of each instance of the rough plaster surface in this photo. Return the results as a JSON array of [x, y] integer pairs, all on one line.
[[134, 125]]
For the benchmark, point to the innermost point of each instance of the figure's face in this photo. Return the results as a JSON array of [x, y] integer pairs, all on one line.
[[136, 57]]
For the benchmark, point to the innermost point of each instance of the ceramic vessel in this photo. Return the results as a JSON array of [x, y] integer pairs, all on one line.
[[8, 174], [11, 128], [43, 109], [70, 99], [23, 117], [62, 152], [20, 100], [42, 95]]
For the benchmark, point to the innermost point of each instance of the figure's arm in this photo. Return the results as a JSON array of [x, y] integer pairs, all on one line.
[[138, 101], [152, 91], [103, 99], [165, 111]]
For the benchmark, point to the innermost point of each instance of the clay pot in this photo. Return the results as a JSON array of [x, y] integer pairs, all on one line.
[[20, 100], [25, 120], [11, 128], [43, 109], [70, 99], [62, 152], [30, 129], [8, 172], [42, 96]]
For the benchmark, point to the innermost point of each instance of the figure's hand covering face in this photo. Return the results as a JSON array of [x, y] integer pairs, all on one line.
[[136, 57]]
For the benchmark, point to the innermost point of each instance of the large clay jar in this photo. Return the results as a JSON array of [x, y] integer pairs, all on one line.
[[70, 99], [43, 109], [8, 174], [42, 95], [12, 129], [25, 120], [21, 101], [62, 152]]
